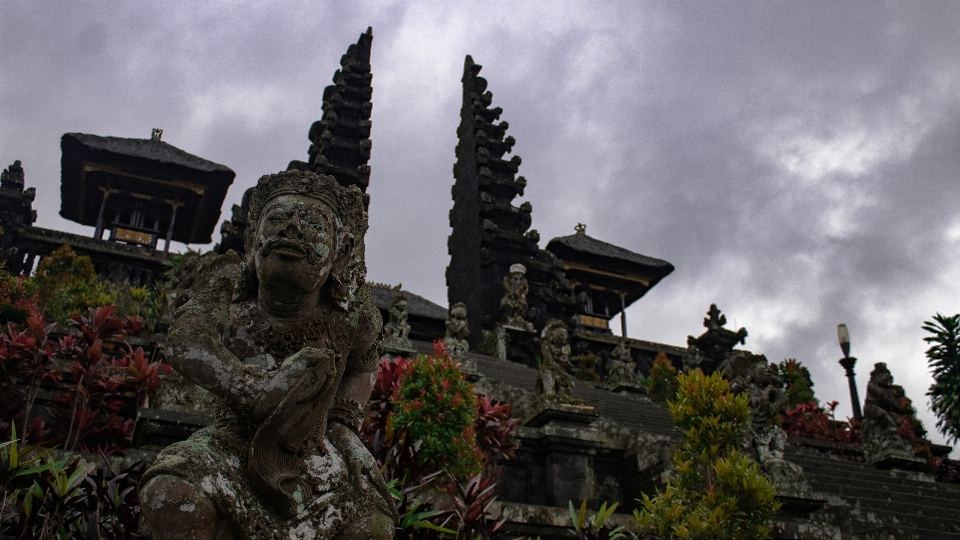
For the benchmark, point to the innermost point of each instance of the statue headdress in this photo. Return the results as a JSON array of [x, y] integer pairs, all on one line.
[[350, 270]]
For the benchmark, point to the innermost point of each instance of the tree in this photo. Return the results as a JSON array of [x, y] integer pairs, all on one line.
[[714, 491], [944, 359]]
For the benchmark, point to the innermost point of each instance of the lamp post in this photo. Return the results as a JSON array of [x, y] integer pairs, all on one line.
[[843, 335]]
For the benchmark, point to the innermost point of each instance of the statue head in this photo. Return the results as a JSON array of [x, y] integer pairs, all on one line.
[[517, 270], [555, 333], [399, 303], [306, 232], [458, 311]]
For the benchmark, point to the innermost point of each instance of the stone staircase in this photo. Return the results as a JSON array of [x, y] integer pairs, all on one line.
[[881, 504]]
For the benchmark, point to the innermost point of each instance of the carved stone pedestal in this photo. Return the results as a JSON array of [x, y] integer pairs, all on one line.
[[567, 445]]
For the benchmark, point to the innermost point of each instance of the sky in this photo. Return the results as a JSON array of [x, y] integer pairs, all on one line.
[[796, 162]]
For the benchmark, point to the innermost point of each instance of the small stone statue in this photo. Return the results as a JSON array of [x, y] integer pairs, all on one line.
[[623, 370], [760, 380], [883, 413], [554, 383], [396, 332], [457, 331], [513, 305], [289, 351]]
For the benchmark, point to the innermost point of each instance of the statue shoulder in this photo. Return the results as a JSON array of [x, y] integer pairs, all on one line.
[[366, 325]]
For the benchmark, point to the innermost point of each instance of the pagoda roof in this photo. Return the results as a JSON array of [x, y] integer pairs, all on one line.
[[91, 164], [586, 249]]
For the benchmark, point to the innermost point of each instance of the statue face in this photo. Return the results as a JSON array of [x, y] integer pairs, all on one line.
[[295, 243]]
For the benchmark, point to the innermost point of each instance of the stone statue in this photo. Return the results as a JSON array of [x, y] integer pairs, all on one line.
[[457, 331], [513, 305], [554, 383], [623, 370], [760, 380], [289, 351], [396, 332], [884, 411]]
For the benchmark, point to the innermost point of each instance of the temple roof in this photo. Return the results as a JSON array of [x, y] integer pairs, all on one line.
[[149, 149], [92, 164], [417, 305], [582, 248]]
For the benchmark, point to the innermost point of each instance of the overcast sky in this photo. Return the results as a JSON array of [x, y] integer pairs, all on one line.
[[796, 161]]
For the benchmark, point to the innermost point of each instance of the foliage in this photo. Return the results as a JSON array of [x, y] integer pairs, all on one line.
[[596, 527], [714, 491], [662, 382], [104, 383], [437, 406], [911, 430], [471, 508], [944, 359], [67, 283], [44, 498], [493, 432], [25, 360], [396, 441], [796, 381], [815, 422]]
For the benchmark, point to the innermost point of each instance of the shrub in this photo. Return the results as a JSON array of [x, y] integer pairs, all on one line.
[[714, 491], [662, 382], [815, 422], [67, 283], [436, 405], [796, 382]]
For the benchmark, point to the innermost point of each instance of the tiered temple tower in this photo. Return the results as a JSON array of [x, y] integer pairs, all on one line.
[[489, 232], [339, 141]]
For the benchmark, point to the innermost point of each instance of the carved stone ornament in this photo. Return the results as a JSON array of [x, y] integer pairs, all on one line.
[[513, 305], [288, 346], [554, 382], [397, 331], [884, 411], [622, 371], [760, 380], [457, 331]]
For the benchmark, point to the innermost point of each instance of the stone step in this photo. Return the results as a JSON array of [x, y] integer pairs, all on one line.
[[908, 514], [896, 532]]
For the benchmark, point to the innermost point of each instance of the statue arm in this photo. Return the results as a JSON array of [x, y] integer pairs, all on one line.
[[361, 369], [196, 352]]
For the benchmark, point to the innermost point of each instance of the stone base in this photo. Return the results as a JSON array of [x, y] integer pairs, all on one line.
[[468, 366], [400, 349], [566, 413], [901, 463], [626, 387]]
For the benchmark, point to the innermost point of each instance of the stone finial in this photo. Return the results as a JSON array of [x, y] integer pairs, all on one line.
[[155, 134], [396, 332], [12, 177], [513, 305], [581, 228]]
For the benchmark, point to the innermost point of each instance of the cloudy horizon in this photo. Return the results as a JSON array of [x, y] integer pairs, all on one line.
[[796, 162]]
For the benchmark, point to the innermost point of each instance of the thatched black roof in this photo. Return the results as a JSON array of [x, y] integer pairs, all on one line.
[[146, 166], [583, 248]]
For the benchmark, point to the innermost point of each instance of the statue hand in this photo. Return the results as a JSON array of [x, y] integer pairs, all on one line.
[[282, 382]]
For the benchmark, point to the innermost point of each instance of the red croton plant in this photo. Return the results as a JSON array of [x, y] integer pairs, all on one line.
[[95, 398]]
